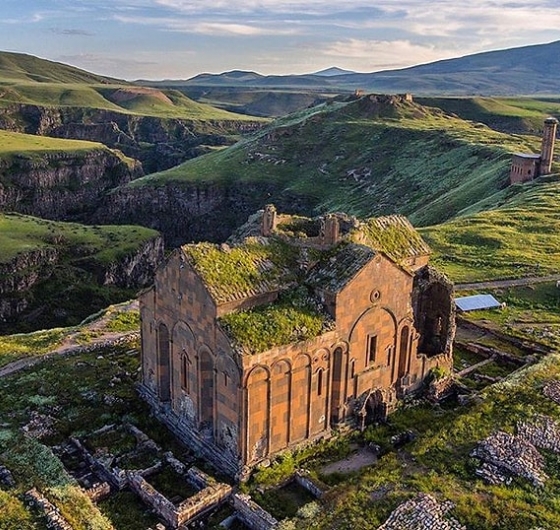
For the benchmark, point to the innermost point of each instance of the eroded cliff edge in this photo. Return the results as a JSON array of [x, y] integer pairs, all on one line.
[[55, 274]]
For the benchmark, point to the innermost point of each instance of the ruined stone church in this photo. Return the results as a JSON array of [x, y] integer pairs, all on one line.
[[295, 327]]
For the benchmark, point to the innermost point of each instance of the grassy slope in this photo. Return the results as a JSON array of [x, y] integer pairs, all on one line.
[[70, 290], [509, 114], [409, 159], [30, 80], [20, 233], [22, 67], [12, 143], [519, 235], [174, 105]]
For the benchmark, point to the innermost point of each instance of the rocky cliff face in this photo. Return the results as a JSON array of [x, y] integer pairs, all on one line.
[[37, 291], [62, 186], [186, 212], [19, 276], [158, 143]]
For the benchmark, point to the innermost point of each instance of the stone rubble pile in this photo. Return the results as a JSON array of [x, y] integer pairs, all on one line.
[[552, 391], [6, 477], [39, 426], [507, 455], [423, 512], [544, 433]]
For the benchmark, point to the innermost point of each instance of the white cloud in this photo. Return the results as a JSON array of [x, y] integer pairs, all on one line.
[[205, 27], [209, 28], [384, 54]]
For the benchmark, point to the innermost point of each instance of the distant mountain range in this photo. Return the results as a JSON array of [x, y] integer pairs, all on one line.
[[516, 71], [329, 72]]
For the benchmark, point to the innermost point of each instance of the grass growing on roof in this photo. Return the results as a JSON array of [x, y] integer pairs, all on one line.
[[228, 271], [292, 318], [394, 237]]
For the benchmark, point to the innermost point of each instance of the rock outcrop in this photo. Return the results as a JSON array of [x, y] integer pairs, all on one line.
[[62, 185], [184, 212], [158, 143], [23, 278]]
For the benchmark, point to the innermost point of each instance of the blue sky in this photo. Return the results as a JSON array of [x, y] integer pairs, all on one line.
[[158, 39]]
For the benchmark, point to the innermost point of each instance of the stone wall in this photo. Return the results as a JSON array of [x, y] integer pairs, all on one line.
[[55, 521], [305, 481], [186, 512], [252, 514]]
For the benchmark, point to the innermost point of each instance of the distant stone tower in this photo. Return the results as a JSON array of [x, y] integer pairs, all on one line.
[[547, 149], [330, 230], [269, 220]]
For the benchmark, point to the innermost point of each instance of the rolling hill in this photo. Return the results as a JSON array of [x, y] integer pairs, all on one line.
[[25, 79], [370, 156]]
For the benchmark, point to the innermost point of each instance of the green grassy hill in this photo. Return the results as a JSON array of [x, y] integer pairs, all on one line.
[[365, 157], [18, 144], [29, 80], [512, 115], [516, 233], [21, 67]]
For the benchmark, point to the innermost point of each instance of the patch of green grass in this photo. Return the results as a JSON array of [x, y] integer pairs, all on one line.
[[21, 233], [13, 347], [290, 319], [124, 321], [127, 512], [35, 465], [520, 237], [12, 143], [172, 485], [523, 114], [285, 501]]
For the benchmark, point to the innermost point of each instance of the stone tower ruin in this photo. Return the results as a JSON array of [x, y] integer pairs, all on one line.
[[528, 166], [547, 149]]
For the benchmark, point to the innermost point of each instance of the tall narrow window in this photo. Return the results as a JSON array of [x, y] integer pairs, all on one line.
[[371, 349], [389, 351], [185, 374], [320, 382], [352, 368]]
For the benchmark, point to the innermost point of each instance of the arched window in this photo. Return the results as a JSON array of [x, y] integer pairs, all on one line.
[[403, 352], [320, 382]]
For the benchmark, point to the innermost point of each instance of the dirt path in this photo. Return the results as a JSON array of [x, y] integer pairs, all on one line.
[[70, 345], [356, 461], [497, 284]]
